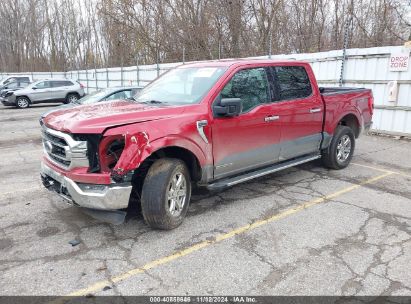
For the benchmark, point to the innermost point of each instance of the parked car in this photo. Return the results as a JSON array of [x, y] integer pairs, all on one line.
[[212, 124], [14, 78], [14, 85], [46, 90], [98, 96], [11, 87]]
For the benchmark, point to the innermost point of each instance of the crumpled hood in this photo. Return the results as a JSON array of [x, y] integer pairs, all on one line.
[[96, 118]]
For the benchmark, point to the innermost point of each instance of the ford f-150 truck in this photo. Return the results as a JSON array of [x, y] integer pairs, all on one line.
[[212, 124]]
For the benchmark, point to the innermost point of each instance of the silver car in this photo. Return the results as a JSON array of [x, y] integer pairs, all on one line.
[[108, 94], [46, 90]]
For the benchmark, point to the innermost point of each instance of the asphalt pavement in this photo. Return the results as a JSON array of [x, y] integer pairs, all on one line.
[[303, 231]]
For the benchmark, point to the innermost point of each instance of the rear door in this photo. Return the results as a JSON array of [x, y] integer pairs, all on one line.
[[59, 90], [251, 139], [300, 110]]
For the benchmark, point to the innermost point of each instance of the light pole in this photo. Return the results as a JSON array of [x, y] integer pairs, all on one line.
[[268, 25]]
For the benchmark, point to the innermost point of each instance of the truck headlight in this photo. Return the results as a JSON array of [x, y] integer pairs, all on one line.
[[110, 151]]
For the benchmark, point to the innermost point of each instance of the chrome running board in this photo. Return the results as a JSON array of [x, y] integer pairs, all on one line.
[[231, 181]]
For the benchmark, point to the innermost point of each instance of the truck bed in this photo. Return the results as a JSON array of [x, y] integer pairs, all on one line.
[[341, 101]]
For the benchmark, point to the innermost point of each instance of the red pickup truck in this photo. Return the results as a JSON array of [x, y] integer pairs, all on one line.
[[212, 124]]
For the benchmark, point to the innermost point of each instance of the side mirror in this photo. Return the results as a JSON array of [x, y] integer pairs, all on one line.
[[34, 88], [228, 107]]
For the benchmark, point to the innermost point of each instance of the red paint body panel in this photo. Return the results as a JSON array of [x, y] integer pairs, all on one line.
[[340, 105], [81, 175], [228, 138], [96, 118]]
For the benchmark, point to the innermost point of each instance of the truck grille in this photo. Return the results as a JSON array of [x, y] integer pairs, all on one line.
[[63, 150]]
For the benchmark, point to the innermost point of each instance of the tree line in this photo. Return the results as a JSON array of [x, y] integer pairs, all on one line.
[[56, 35]]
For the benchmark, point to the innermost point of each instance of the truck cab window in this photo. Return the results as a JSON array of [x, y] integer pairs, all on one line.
[[292, 82], [250, 85]]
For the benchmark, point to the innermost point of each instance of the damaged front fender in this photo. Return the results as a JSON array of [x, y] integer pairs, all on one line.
[[131, 157]]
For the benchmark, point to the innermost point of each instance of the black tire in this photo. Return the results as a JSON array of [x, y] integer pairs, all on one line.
[[22, 102], [72, 97], [155, 205], [331, 157]]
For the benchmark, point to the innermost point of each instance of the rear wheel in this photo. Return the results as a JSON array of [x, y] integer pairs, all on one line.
[[166, 194], [72, 97], [341, 149], [22, 102]]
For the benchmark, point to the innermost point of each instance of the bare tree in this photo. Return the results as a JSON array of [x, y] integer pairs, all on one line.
[[49, 35]]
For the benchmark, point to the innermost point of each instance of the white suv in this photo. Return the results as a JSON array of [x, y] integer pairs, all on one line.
[[46, 90]]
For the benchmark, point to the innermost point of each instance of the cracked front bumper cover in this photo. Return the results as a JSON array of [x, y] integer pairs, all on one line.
[[94, 196]]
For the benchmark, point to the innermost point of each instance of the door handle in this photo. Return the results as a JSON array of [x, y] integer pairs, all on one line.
[[271, 118], [315, 110]]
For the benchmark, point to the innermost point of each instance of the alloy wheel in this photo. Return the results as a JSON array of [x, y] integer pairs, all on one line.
[[22, 103], [343, 148], [176, 194]]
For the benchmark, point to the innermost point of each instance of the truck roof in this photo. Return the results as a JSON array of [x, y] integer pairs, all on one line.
[[231, 62]]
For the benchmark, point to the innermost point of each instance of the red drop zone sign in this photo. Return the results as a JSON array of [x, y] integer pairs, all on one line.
[[399, 62]]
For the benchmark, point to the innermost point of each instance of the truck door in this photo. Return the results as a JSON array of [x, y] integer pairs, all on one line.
[[300, 110], [251, 139]]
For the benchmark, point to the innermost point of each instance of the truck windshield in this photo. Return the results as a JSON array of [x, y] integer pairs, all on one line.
[[185, 85]]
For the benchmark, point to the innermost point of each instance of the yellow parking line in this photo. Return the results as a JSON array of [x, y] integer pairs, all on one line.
[[221, 237], [381, 169]]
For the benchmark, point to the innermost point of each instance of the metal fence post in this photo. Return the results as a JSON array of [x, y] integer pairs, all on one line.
[[137, 72], [87, 81], [121, 74], [138, 75], [344, 55], [158, 66], [107, 81], [95, 74]]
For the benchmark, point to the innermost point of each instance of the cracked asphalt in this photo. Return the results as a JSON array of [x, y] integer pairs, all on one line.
[[329, 232]]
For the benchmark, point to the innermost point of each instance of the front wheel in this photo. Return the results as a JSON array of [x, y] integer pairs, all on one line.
[[166, 194], [71, 98], [341, 149], [22, 102]]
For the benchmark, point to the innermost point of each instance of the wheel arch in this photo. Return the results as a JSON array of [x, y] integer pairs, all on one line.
[[350, 120], [178, 152], [72, 92], [25, 96]]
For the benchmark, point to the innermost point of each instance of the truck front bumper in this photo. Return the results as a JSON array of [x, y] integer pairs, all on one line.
[[93, 196]]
